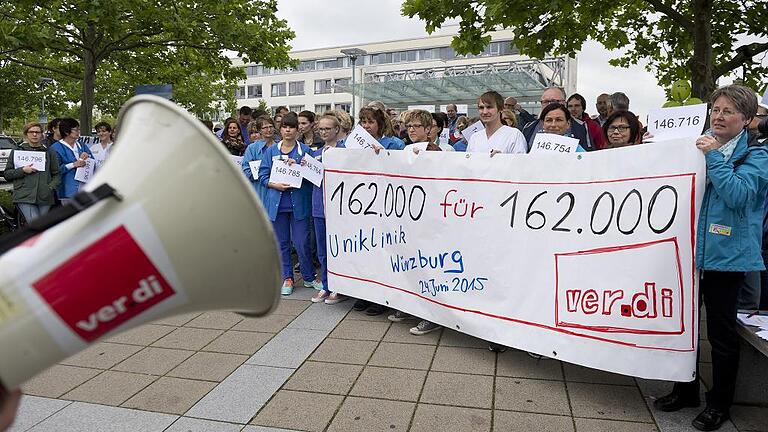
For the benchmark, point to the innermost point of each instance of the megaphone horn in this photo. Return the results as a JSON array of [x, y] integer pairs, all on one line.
[[188, 234]]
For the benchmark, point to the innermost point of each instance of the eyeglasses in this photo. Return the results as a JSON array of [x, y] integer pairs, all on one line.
[[551, 101], [619, 128], [34, 132], [725, 113], [413, 126], [324, 129]]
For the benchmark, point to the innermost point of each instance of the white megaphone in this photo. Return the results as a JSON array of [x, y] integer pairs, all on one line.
[[187, 234]]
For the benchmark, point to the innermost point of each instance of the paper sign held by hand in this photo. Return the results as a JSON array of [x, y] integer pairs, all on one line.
[[552, 143], [284, 173], [312, 170], [359, 138], [255, 164], [677, 122], [83, 174], [472, 129], [238, 160], [22, 158], [445, 136]]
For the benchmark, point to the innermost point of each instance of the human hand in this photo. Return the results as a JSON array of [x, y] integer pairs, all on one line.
[[494, 152], [83, 155], [79, 163], [282, 187], [707, 143], [377, 148], [29, 169], [303, 162]]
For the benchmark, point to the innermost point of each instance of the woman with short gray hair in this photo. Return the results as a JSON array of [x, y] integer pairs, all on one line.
[[727, 245]]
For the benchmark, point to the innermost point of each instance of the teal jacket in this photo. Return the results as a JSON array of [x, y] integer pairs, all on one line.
[[731, 220], [254, 152], [301, 198]]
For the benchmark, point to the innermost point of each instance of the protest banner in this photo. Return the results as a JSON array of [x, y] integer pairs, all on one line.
[[591, 263], [22, 158]]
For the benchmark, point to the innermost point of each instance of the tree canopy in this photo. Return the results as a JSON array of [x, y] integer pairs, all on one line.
[[106, 47], [696, 40]]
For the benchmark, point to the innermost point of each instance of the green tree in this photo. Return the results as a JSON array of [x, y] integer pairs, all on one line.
[[681, 39], [88, 40], [21, 93]]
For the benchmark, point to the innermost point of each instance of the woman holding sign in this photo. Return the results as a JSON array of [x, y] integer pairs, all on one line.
[[265, 127], [328, 128], [727, 245], [289, 207], [374, 122], [33, 188], [621, 129], [71, 156], [556, 119]]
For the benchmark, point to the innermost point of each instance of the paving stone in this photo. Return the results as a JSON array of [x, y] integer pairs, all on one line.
[[473, 391], [360, 330], [389, 383], [208, 366], [239, 342], [34, 410], [464, 360], [170, 395], [705, 351], [372, 415], [270, 324], [187, 424], [241, 395], [218, 320], [454, 338], [672, 421], [344, 351], [110, 388], [608, 402], [400, 332], [291, 307], [264, 429], [143, 335], [504, 421], [539, 396], [288, 349], [188, 338], [281, 410], [595, 425], [576, 373], [153, 361], [300, 292], [84, 417], [406, 356], [514, 363], [321, 316], [319, 377], [750, 418], [57, 380], [102, 355], [354, 315], [430, 418], [178, 320]]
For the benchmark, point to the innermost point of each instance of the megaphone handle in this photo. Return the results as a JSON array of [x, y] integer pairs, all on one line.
[[79, 202]]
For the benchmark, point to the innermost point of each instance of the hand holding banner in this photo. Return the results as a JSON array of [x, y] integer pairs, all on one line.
[[677, 122], [284, 173], [83, 174], [552, 143], [312, 170], [22, 158]]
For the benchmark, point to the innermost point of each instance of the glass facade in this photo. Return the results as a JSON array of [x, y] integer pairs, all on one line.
[[296, 88]]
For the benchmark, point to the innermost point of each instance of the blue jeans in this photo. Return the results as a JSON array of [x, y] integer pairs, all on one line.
[[289, 230], [32, 211], [322, 253]]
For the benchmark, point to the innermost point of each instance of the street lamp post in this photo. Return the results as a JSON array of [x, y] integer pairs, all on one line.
[[43, 116], [353, 54]]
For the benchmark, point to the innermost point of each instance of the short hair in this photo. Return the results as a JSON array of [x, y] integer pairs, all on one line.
[[258, 112], [461, 123], [619, 101], [345, 120], [439, 120], [423, 116], [104, 125], [375, 114], [290, 119], [253, 126], [30, 125], [743, 99], [54, 124], [66, 125], [378, 105], [581, 100], [331, 118], [261, 121], [281, 109], [634, 124], [555, 106], [455, 108], [511, 115], [309, 115], [245, 110], [493, 97]]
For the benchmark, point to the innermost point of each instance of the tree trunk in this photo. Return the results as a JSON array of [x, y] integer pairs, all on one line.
[[702, 79], [89, 82]]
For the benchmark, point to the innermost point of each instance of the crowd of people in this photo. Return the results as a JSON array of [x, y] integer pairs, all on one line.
[[735, 195]]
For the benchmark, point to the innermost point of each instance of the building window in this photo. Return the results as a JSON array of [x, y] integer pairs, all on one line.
[[320, 109], [296, 88], [306, 65], [341, 82], [329, 64], [344, 106], [322, 86], [240, 92], [254, 91], [296, 108], [278, 89]]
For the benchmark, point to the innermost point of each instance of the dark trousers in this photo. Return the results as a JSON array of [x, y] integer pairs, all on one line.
[[719, 291]]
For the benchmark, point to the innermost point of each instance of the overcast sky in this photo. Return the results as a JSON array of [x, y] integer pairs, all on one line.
[[340, 22]]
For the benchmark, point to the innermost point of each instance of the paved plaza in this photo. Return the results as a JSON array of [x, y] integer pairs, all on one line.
[[316, 367]]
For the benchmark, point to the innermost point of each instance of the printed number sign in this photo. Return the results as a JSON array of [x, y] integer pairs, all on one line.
[[551, 143], [284, 173], [677, 122], [23, 158], [83, 174], [359, 138], [313, 170]]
